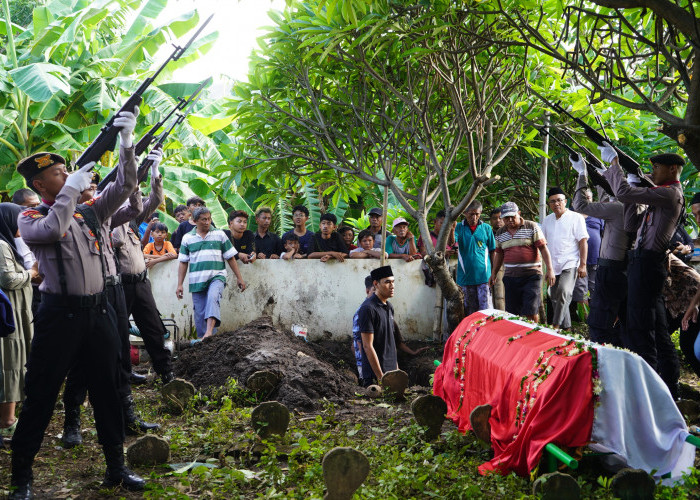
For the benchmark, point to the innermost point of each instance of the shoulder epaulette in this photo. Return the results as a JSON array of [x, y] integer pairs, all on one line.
[[90, 202]]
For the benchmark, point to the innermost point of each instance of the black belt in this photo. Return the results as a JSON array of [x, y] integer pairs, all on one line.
[[73, 301], [643, 253], [612, 263], [113, 280], [130, 279]]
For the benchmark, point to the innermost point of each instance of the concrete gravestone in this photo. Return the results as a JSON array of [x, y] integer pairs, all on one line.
[[429, 411], [395, 381], [479, 420], [270, 418], [629, 484], [344, 470], [262, 381], [177, 394], [148, 450], [556, 486]]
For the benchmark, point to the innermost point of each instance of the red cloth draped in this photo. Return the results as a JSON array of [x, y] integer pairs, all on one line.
[[562, 411]]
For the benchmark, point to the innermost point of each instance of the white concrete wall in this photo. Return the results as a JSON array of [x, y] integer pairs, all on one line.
[[322, 296]]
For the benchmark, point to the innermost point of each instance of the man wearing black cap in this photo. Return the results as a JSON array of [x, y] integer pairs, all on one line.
[[375, 320], [567, 239], [646, 272], [376, 219], [75, 324]]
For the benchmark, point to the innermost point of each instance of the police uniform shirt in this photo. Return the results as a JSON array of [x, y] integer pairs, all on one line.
[[124, 214], [79, 247], [615, 240], [128, 242], [665, 204]]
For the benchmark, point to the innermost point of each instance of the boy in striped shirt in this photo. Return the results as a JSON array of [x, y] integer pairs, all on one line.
[[205, 251]]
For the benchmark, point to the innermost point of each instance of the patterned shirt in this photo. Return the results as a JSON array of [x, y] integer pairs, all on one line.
[[520, 249], [207, 257]]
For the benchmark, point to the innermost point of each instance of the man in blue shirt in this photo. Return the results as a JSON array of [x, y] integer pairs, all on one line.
[[475, 255]]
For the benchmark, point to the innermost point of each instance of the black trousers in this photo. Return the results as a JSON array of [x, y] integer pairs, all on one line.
[[647, 332], [608, 304], [142, 306], [65, 337], [77, 381]]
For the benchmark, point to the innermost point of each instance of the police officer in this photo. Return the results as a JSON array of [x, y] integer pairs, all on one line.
[[74, 324], [137, 288], [646, 333], [76, 383], [608, 302]]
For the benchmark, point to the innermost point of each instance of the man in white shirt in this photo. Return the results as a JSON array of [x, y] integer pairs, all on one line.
[[567, 239]]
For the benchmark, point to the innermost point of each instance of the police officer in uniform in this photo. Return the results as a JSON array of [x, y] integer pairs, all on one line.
[[646, 333], [76, 383], [75, 324], [608, 302], [137, 288]]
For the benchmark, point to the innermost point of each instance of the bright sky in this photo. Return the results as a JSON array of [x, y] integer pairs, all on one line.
[[238, 23]]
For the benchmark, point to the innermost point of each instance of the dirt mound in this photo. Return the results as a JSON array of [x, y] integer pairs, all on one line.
[[308, 374]]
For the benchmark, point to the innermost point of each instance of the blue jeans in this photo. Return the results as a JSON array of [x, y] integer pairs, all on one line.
[[207, 304]]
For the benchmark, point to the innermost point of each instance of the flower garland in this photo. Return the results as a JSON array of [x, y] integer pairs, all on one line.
[[460, 367]]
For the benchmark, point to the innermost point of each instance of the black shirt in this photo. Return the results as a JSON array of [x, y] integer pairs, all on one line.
[[333, 244], [184, 228], [378, 318], [269, 245], [244, 245]]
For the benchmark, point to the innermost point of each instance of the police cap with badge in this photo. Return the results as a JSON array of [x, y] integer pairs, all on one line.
[[35, 164]]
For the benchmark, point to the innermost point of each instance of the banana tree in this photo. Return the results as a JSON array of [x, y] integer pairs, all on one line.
[[64, 75]]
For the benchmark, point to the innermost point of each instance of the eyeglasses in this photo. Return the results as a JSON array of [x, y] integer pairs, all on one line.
[[554, 202]]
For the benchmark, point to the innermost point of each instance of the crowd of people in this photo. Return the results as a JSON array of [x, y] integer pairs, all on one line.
[[74, 268]]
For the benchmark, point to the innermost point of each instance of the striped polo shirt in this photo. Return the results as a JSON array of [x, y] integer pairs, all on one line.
[[207, 257], [520, 249]]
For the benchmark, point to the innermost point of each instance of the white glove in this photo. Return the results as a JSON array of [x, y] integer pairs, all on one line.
[[579, 165], [156, 155], [81, 179], [127, 122], [607, 152], [633, 179]]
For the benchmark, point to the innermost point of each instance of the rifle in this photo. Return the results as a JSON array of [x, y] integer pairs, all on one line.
[[107, 138], [596, 177], [147, 139], [144, 168], [626, 162]]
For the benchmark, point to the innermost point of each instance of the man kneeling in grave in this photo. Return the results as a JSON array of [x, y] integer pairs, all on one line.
[[364, 369]]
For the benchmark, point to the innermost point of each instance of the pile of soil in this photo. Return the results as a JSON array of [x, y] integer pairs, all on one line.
[[307, 374]]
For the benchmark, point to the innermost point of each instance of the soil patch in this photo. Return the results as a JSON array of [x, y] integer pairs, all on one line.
[[307, 374]]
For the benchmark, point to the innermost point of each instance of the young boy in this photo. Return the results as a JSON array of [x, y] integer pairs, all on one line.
[[366, 249], [181, 213], [187, 225], [291, 247], [300, 215], [327, 243], [401, 244], [160, 249], [205, 251], [348, 236], [243, 239]]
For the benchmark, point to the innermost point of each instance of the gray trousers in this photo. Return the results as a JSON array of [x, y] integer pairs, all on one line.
[[560, 295]]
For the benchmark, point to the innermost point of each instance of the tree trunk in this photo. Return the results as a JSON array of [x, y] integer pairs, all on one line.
[[450, 291]]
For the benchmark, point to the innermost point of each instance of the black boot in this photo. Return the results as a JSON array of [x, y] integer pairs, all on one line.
[[137, 378], [117, 473], [21, 481], [71, 428], [167, 377], [133, 424]]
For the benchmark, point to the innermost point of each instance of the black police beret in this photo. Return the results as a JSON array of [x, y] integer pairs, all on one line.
[[696, 199], [37, 163], [95, 178], [668, 159]]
